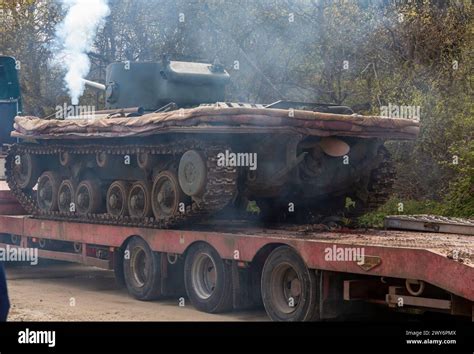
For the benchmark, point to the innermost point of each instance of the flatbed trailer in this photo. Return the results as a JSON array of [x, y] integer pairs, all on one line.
[[297, 272]]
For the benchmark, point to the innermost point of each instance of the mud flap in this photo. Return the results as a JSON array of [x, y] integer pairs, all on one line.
[[172, 275], [331, 300], [117, 260], [243, 284]]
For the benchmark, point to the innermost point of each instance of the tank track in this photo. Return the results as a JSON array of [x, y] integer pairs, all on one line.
[[381, 184], [379, 190], [220, 187]]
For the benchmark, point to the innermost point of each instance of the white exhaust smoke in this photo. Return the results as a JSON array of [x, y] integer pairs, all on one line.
[[75, 37]]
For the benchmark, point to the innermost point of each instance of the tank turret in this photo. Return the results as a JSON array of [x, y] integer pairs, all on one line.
[[152, 85]]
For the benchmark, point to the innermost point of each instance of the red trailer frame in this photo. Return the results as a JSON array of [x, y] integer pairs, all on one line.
[[392, 259]]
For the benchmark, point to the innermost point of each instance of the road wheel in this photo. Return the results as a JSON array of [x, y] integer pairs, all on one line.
[[139, 199], [25, 170], [66, 193], [141, 268], [117, 199], [47, 196], [208, 279], [166, 196], [289, 288], [88, 197]]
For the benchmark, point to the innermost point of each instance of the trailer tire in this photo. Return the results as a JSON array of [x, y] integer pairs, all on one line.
[[289, 288], [208, 279], [142, 270]]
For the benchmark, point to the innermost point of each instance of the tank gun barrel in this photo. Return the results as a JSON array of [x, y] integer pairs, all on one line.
[[94, 84]]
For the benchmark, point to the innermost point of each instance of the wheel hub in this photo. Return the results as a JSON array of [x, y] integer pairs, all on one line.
[[43, 193], [113, 201], [83, 198], [295, 287], [66, 196], [139, 200], [139, 267], [286, 288], [192, 173], [204, 276], [166, 195], [24, 170]]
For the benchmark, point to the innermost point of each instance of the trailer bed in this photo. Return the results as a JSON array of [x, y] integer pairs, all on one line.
[[443, 260]]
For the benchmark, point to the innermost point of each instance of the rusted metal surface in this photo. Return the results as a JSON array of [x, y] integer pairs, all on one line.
[[395, 296], [431, 223], [230, 120], [412, 255]]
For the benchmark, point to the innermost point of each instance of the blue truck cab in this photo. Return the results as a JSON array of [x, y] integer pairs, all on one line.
[[10, 98]]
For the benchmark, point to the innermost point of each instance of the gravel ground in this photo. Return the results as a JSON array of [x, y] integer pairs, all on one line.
[[59, 291]]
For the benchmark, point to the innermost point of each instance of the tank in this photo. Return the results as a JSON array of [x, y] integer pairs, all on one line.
[[169, 151]]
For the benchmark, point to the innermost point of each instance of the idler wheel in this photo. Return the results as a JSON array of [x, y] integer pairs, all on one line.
[[192, 173], [47, 194], [88, 197], [25, 170], [166, 195], [117, 199], [139, 199], [66, 193]]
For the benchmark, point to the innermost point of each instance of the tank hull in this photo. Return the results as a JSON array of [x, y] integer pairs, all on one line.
[[174, 168]]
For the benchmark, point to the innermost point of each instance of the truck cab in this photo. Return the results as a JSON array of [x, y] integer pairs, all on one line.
[[10, 98]]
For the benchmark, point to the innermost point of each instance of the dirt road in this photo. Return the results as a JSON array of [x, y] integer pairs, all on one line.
[[71, 292]]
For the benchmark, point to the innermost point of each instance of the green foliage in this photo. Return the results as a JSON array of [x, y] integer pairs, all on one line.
[[393, 207], [252, 207], [460, 198]]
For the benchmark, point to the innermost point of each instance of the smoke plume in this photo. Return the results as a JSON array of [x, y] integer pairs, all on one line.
[[75, 37]]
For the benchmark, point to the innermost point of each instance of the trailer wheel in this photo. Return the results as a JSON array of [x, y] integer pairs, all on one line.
[[208, 279], [142, 272], [289, 288]]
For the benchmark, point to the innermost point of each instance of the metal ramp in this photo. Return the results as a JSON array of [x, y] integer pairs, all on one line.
[[430, 223]]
